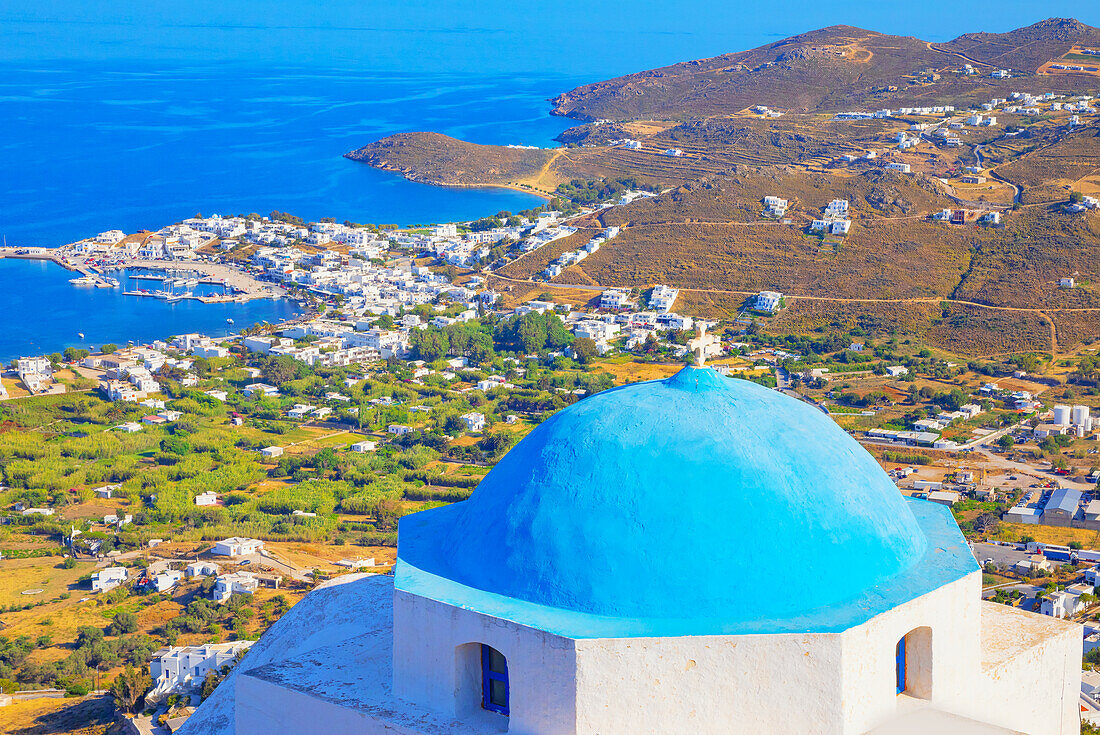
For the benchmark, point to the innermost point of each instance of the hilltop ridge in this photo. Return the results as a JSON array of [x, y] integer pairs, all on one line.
[[828, 69]]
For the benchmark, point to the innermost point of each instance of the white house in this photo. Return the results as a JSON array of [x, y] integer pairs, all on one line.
[[227, 585], [767, 301], [108, 578], [237, 546], [166, 580], [202, 569], [662, 298], [364, 446], [1065, 603], [474, 421], [271, 452], [207, 498], [614, 298], [180, 669], [398, 429]]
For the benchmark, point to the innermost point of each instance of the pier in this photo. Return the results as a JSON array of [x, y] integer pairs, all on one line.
[[240, 285]]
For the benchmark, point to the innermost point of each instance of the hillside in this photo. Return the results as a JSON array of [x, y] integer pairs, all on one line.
[[691, 131], [432, 158], [1027, 48], [831, 69], [814, 70]]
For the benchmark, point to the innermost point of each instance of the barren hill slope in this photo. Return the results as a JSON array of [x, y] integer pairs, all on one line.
[[804, 72], [825, 70], [1026, 48]]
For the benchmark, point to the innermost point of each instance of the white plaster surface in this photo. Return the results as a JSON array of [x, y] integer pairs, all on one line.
[[541, 666], [327, 668], [710, 684]]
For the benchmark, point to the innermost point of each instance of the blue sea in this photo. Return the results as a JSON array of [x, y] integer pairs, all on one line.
[[96, 146], [137, 113]]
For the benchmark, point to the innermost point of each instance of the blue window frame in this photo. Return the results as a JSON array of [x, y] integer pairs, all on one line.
[[494, 680], [900, 663]]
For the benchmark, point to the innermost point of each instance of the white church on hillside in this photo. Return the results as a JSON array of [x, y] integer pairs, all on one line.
[[695, 555]]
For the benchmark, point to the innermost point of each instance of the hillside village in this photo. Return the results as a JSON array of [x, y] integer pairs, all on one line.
[[916, 263]]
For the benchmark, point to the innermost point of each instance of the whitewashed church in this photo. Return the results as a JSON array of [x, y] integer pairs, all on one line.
[[697, 555]]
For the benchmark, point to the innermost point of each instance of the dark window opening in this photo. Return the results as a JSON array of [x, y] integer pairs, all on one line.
[[900, 663], [494, 680]]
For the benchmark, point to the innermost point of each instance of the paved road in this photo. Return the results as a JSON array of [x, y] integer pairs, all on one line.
[[1001, 555]]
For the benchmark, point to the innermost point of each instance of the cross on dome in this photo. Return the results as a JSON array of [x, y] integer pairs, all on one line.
[[700, 344]]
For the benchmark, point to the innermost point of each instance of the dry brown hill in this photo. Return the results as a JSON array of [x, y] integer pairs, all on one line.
[[831, 69], [1027, 48], [433, 158], [810, 71]]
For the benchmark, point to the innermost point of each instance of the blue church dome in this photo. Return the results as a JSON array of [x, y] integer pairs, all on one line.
[[691, 505]]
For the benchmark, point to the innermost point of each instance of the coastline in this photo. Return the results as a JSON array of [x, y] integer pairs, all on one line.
[[409, 176], [246, 287]]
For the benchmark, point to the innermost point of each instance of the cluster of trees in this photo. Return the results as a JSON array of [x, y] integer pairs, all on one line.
[[500, 219], [584, 192], [951, 400], [92, 648], [532, 332], [1088, 370], [480, 341], [462, 339]]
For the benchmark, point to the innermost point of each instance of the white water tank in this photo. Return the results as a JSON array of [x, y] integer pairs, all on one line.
[[1080, 415], [1062, 415]]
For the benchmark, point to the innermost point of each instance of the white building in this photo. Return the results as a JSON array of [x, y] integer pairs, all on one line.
[[563, 598], [207, 498], [767, 301], [108, 578], [364, 446], [614, 298], [237, 546], [166, 580], [237, 583], [33, 368], [271, 452], [662, 298], [474, 421], [183, 668], [202, 569]]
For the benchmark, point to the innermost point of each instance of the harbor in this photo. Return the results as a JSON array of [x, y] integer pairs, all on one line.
[[238, 286]]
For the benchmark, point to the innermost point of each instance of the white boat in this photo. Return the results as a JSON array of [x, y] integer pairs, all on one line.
[[83, 281]]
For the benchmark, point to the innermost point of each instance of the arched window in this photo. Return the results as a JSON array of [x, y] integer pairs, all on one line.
[[899, 661], [913, 664], [494, 680]]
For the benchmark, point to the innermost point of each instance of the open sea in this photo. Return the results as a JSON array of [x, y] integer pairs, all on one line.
[[90, 147], [135, 114]]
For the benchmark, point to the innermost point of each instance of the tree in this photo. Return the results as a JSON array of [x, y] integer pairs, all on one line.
[[430, 344], [1006, 442], [209, 684], [584, 349], [129, 689], [124, 622], [175, 445], [108, 348], [531, 331], [986, 523]]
